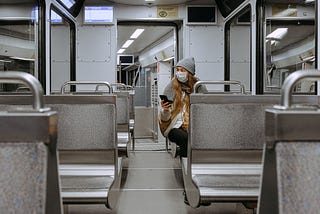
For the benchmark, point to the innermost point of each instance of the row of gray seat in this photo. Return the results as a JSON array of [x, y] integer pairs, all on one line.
[[90, 169], [29, 178], [84, 132], [226, 147], [290, 178], [125, 109]]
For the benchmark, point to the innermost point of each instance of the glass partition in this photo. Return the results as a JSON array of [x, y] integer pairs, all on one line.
[[61, 45], [239, 50], [289, 44], [68, 3], [18, 39]]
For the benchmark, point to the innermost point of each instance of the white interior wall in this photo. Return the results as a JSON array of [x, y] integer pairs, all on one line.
[[95, 52], [198, 41], [205, 44], [96, 46]]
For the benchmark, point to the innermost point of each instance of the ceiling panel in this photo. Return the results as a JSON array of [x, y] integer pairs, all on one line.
[[150, 35]]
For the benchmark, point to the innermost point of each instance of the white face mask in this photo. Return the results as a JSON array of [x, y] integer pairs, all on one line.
[[182, 76]]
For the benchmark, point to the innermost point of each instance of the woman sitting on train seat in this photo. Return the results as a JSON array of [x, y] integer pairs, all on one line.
[[174, 117]]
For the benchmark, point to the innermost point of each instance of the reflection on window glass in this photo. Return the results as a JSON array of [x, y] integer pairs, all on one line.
[[55, 18], [68, 3], [290, 45], [18, 41], [60, 51], [284, 10], [34, 14]]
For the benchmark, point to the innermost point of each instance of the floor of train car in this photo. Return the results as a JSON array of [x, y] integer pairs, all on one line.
[[152, 183]]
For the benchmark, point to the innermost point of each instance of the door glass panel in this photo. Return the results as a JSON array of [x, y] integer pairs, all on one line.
[[60, 51], [240, 49], [18, 39], [290, 45]]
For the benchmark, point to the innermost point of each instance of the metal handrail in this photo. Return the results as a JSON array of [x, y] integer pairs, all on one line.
[[219, 82], [290, 82], [118, 85], [23, 88], [28, 80], [130, 87], [97, 83]]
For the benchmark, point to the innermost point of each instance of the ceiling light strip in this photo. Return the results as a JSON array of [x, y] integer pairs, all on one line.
[[127, 43], [137, 33]]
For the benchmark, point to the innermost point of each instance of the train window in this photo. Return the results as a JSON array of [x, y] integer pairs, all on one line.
[[289, 45], [60, 51], [18, 39], [227, 6], [245, 18], [98, 15], [55, 18], [68, 3]]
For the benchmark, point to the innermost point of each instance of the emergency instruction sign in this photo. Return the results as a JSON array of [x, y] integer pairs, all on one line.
[[167, 12]]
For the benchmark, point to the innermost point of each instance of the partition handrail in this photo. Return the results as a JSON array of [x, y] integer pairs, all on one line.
[[97, 83], [290, 82], [22, 88], [119, 85], [28, 80], [130, 87], [219, 82], [122, 85]]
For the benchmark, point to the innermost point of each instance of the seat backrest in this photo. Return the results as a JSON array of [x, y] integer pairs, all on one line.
[[227, 126], [123, 107], [87, 128], [131, 105], [29, 179], [84, 124], [298, 177], [229, 122], [290, 178]]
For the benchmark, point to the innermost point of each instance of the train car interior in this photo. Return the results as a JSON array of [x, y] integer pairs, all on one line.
[[81, 113]]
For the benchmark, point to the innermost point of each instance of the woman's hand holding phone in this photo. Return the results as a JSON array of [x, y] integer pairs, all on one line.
[[165, 105], [165, 102]]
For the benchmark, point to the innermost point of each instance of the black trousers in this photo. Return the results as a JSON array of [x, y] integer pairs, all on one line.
[[180, 137]]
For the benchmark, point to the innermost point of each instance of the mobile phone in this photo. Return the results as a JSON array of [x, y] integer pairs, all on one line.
[[165, 99]]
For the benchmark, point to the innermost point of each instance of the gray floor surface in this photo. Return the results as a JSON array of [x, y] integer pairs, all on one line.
[[152, 183]]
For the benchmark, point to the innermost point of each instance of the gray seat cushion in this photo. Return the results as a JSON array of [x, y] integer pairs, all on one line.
[[23, 177]]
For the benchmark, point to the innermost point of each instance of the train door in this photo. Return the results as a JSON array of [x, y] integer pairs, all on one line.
[[146, 64]]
